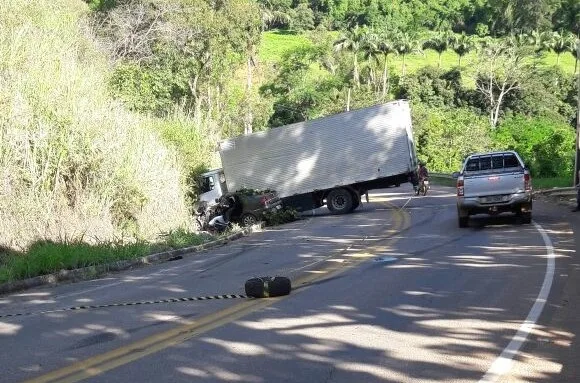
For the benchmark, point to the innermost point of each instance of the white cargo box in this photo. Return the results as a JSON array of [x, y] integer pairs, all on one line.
[[341, 149]]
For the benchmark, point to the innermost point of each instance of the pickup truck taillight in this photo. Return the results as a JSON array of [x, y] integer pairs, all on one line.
[[527, 181], [460, 190]]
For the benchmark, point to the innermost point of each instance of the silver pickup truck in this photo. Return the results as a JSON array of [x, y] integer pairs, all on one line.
[[493, 183]]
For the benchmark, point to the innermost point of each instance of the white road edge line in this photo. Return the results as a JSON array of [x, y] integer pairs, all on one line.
[[409, 200], [503, 363]]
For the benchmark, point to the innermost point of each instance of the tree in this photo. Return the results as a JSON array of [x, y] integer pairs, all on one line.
[[406, 44], [561, 43], [501, 70], [353, 41], [383, 45], [275, 13], [439, 43], [567, 17], [519, 40], [302, 18], [520, 16], [541, 41], [462, 45], [574, 49]]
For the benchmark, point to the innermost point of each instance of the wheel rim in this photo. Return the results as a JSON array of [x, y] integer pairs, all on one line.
[[338, 202], [249, 220]]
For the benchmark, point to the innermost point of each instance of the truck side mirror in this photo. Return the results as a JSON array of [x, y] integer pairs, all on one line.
[[455, 175]]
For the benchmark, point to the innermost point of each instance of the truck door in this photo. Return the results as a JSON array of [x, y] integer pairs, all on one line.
[[210, 188]]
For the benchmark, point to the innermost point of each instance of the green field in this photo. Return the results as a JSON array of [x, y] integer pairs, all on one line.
[[275, 43]]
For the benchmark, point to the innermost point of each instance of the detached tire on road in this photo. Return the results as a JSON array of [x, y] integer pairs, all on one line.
[[264, 287], [339, 201]]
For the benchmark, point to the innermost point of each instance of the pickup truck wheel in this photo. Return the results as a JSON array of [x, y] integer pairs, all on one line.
[[463, 221], [339, 201], [248, 219], [527, 218]]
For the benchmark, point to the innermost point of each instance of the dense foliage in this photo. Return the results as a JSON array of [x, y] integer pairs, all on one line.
[[110, 108]]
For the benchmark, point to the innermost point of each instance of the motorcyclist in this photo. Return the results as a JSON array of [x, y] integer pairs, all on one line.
[[423, 173]]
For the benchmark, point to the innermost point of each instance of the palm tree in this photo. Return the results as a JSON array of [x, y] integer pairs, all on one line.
[[462, 45], [439, 43], [406, 44], [272, 16], [353, 41], [561, 43], [542, 41], [574, 49], [382, 45], [519, 40]]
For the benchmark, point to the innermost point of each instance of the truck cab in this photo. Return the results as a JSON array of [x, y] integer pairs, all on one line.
[[213, 186]]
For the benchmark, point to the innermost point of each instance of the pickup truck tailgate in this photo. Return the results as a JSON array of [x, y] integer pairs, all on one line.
[[494, 184]]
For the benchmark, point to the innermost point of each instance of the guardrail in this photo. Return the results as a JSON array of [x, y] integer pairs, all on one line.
[[441, 175], [569, 190]]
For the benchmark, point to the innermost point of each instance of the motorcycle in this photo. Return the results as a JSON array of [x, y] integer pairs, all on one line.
[[210, 218], [422, 187]]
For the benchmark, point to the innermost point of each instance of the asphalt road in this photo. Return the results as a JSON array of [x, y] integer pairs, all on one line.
[[394, 292]]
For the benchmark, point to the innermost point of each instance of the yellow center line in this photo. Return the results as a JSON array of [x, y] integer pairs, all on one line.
[[101, 363]]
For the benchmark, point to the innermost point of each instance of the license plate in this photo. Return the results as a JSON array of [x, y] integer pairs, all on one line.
[[495, 198]]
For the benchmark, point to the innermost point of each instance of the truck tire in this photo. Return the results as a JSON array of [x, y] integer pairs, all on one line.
[[248, 219], [339, 201], [264, 287], [462, 218], [527, 218]]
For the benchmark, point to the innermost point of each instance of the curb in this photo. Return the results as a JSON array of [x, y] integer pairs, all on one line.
[[91, 272], [571, 190]]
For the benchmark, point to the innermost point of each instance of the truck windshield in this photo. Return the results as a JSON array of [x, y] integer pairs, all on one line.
[[207, 184]]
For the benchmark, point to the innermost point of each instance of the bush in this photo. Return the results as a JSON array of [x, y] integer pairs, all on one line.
[[444, 137], [279, 217], [546, 145]]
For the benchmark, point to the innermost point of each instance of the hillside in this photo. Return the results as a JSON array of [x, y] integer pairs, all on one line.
[[75, 164]]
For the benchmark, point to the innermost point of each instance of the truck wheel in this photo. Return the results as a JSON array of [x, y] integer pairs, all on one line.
[[462, 217], [248, 219], [264, 287], [527, 218], [339, 201]]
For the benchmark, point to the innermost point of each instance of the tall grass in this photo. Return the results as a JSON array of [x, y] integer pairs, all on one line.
[[74, 165]]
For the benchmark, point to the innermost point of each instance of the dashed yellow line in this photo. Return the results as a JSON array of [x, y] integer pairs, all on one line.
[[99, 364]]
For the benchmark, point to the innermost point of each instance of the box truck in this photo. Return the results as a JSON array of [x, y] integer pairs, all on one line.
[[332, 161]]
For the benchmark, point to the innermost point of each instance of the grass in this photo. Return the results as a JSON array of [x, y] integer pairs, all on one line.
[[275, 43], [548, 183], [46, 257], [75, 163]]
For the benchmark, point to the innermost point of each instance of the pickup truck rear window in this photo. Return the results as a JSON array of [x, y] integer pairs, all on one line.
[[492, 162]]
